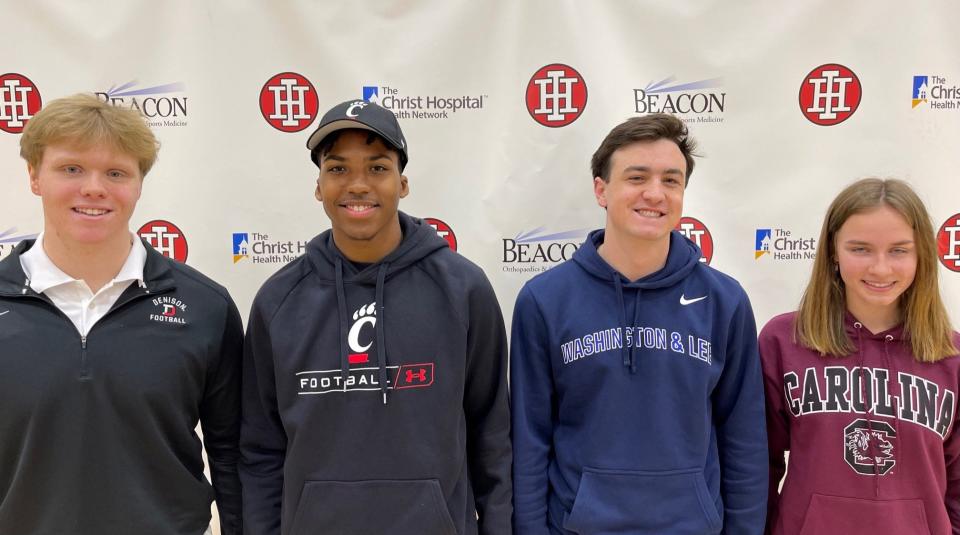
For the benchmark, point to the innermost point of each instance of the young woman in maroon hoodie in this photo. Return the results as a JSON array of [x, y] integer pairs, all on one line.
[[862, 381]]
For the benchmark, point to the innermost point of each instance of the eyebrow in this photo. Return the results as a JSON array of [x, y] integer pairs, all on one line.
[[645, 169], [382, 156], [861, 242]]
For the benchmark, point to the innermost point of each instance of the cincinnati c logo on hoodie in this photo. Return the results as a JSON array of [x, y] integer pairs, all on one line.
[[363, 375]]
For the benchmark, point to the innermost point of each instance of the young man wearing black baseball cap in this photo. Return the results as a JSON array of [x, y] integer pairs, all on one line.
[[375, 396]]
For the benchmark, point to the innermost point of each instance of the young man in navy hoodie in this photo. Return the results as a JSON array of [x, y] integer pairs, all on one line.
[[637, 395], [375, 396]]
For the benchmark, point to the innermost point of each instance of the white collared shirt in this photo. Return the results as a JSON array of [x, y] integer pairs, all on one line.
[[72, 296]]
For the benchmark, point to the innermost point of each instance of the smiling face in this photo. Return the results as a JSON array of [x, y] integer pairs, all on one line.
[[360, 186], [88, 196], [644, 192], [877, 259]]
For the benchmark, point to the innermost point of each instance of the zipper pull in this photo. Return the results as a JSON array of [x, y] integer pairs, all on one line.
[[83, 342]]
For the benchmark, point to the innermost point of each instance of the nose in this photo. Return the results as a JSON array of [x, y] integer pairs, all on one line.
[[653, 192], [93, 185], [881, 265], [358, 183]]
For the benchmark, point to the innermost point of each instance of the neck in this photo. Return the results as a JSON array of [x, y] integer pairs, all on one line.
[[95, 265], [633, 258], [877, 319], [372, 250]]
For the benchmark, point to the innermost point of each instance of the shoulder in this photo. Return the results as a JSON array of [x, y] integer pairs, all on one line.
[[279, 286], [449, 267], [192, 280], [557, 278], [779, 325], [719, 282]]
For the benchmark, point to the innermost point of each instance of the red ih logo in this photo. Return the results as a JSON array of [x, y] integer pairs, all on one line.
[[948, 243], [443, 230], [414, 376], [556, 95], [699, 234], [289, 102], [166, 238], [830, 94], [19, 102]]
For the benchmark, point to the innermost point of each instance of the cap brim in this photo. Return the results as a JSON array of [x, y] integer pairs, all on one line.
[[341, 124]]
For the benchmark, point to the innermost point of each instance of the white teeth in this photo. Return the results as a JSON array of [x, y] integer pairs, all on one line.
[[357, 207], [91, 211], [648, 213], [876, 285]]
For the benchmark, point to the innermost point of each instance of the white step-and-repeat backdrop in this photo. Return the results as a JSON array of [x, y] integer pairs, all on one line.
[[503, 103]]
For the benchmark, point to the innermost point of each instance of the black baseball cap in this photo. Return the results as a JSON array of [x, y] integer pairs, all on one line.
[[363, 115]]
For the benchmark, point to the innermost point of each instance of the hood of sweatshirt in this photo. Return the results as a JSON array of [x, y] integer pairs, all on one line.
[[419, 240], [682, 258]]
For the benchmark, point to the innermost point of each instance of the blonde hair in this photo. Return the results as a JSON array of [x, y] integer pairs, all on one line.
[[819, 322], [84, 120]]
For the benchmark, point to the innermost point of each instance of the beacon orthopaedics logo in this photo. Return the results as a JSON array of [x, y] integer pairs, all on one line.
[[289, 102], [19, 102], [556, 95], [166, 238], [161, 105], [700, 101], [830, 94]]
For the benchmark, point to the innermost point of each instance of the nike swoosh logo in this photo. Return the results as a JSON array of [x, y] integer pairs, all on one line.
[[2, 313], [684, 301]]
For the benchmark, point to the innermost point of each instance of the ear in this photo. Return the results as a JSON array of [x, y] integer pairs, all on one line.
[[34, 179], [600, 191], [404, 186], [317, 193]]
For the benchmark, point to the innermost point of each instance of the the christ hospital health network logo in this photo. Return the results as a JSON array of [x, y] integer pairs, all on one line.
[[406, 106], [19, 102], [782, 244], [936, 92], [556, 95], [830, 94], [259, 248]]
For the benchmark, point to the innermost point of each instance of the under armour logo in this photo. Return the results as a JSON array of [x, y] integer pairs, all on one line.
[[421, 375]]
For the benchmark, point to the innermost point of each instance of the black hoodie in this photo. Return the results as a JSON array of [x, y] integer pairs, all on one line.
[[97, 432], [375, 401]]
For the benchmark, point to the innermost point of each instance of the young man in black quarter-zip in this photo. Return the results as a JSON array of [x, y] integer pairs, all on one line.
[[110, 353]]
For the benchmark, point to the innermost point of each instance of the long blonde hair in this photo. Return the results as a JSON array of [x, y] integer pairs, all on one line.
[[819, 322]]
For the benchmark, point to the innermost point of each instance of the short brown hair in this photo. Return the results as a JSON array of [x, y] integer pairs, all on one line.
[[823, 306], [647, 128], [84, 120]]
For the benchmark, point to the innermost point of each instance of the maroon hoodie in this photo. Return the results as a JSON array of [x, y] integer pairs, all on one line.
[[865, 458]]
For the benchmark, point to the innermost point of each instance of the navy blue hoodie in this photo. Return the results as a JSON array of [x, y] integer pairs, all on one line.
[[375, 400], [637, 406]]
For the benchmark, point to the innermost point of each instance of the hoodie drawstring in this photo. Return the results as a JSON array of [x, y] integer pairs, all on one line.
[[868, 407], [625, 353], [342, 325], [381, 327], [636, 321]]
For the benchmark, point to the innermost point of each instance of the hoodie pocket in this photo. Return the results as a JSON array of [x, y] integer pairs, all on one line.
[[856, 516], [643, 502], [411, 507]]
